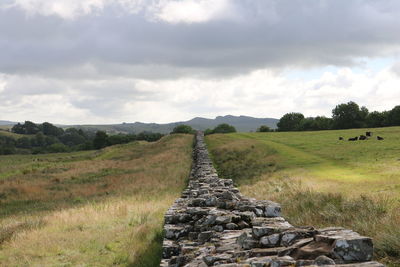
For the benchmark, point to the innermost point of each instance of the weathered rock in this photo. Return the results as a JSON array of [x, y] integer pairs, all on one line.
[[205, 236], [170, 249], [232, 226], [223, 219], [260, 231], [324, 260], [174, 231], [347, 245], [261, 252], [273, 210], [270, 241]]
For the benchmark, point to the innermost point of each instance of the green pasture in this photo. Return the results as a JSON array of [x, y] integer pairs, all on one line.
[[320, 180], [321, 161]]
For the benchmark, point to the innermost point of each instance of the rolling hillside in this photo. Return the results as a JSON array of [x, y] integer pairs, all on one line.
[[241, 123]]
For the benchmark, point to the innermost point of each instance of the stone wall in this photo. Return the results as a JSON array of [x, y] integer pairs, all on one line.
[[213, 224]]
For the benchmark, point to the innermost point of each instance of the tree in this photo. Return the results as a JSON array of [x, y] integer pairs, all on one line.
[[263, 129], [307, 124], [315, 124], [27, 128], [49, 129], [118, 139], [182, 128], [72, 137], [349, 115], [31, 128], [323, 123], [100, 140], [18, 128], [57, 148], [224, 128], [23, 142], [149, 136], [39, 140], [394, 116], [290, 122], [49, 140], [208, 131], [7, 145], [377, 119]]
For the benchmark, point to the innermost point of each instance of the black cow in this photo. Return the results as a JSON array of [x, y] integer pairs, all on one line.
[[340, 138], [353, 139], [380, 138], [369, 134], [362, 137]]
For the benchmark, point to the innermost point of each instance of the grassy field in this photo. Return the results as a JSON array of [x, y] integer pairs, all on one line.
[[92, 208], [320, 180], [5, 132]]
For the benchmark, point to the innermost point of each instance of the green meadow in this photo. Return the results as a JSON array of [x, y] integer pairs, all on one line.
[[322, 162], [320, 180]]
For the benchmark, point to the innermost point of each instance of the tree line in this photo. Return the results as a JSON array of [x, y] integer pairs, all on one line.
[[48, 138], [221, 128], [344, 116]]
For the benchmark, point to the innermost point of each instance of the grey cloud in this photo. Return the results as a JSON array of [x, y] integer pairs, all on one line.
[[102, 98], [113, 65], [396, 68], [263, 33]]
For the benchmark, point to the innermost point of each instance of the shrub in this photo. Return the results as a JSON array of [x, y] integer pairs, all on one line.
[[263, 129], [224, 128], [57, 148], [100, 140]]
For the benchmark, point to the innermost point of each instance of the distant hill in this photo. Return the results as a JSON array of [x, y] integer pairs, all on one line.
[[241, 123], [7, 122]]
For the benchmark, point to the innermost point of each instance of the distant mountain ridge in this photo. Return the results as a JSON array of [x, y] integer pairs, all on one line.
[[7, 122], [241, 123]]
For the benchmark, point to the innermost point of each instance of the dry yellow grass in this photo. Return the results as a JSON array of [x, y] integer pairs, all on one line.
[[90, 221], [101, 234]]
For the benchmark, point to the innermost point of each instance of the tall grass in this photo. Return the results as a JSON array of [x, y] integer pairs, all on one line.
[[92, 209], [373, 216]]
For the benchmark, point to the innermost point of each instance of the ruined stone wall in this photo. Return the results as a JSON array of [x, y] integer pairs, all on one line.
[[213, 224]]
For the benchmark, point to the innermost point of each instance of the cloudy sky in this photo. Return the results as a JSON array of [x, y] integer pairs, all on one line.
[[110, 61]]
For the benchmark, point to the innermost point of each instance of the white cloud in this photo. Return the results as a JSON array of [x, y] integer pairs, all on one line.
[[261, 93], [171, 11], [193, 11], [67, 9]]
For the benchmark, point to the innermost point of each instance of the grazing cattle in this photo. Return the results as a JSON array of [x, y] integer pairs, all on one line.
[[353, 139], [369, 134], [362, 137], [340, 138], [380, 138]]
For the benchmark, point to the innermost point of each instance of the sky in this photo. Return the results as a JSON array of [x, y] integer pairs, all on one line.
[[113, 61]]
